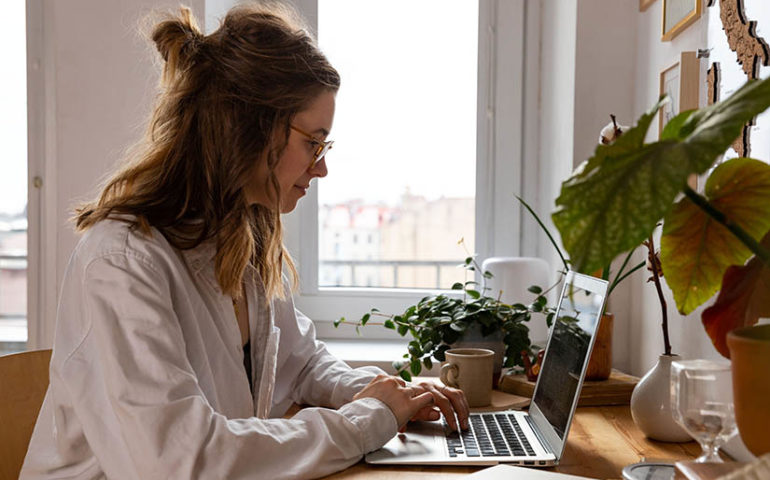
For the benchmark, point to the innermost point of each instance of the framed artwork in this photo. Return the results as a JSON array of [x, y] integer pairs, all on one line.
[[645, 4], [680, 82], [678, 15]]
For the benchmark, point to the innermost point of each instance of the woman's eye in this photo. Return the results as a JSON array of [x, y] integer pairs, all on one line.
[[313, 144]]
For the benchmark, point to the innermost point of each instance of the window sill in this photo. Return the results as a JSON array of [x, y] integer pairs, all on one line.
[[363, 352]]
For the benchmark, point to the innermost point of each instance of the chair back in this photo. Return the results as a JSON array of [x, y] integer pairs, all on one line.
[[23, 383]]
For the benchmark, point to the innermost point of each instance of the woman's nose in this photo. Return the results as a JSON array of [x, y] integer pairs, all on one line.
[[319, 169]]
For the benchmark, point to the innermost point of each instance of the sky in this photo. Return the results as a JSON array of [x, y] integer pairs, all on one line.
[[13, 109], [406, 111]]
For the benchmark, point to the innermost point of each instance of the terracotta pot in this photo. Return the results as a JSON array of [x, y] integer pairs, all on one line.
[[750, 355], [651, 404], [600, 363]]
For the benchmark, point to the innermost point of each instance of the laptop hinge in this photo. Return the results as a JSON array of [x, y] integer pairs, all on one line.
[[543, 442]]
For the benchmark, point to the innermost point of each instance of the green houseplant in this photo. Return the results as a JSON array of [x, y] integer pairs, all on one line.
[[613, 202], [438, 321], [713, 241]]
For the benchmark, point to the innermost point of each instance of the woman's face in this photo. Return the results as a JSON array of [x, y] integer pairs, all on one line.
[[294, 171]]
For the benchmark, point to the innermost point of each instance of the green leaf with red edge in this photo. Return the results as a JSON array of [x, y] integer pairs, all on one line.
[[696, 249], [743, 299]]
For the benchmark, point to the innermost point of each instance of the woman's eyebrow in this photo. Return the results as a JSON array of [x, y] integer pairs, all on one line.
[[322, 131]]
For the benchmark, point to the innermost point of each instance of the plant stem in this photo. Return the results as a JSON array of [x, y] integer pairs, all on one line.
[[736, 230], [655, 267], [556, 284], [618, 280], [623, 266], [553, 242]]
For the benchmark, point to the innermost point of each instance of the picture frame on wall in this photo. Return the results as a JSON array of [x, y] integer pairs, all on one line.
[[680, 81], [645, 4], [677, 16]]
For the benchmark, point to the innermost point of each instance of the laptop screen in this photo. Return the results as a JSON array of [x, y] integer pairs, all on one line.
[[568, 350]]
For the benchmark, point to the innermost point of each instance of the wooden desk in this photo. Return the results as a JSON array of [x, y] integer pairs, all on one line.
[[601, 442]]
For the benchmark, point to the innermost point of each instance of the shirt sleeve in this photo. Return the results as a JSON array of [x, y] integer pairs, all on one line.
[[145, 416], [320, 378]]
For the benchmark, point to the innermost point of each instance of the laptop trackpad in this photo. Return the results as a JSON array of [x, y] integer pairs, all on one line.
[[423, 441]]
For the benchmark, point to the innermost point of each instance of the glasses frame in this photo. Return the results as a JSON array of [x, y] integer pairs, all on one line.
[[320, 151]]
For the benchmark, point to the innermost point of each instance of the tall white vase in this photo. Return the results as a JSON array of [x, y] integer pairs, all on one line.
[[651, 404]]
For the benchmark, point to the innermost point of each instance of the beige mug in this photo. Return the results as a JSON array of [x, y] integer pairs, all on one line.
[[470, 370]]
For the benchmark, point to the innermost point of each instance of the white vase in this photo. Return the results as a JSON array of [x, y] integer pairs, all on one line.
[[651, 404]]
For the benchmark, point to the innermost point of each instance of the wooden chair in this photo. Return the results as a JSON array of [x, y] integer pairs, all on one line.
[[23, 383]]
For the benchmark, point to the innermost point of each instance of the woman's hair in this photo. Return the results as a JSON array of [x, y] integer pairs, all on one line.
[[226, 102]]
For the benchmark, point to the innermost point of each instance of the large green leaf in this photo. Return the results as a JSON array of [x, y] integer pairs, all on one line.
[[696, 249], [614, 201]]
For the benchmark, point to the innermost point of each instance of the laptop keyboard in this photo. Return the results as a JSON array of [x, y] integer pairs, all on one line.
[[489, 435]]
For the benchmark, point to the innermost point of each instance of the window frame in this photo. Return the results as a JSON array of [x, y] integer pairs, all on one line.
[[500, 103]]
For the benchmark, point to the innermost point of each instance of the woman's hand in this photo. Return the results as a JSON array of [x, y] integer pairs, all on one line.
[[450, 401], [425, 400], [405, 401]]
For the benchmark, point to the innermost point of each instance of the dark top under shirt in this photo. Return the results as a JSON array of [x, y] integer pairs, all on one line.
[[247, 362]]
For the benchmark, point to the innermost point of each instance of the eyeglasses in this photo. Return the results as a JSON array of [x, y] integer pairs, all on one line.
[[321, 148]]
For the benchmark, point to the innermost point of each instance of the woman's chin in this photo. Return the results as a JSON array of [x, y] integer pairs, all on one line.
[[288, 205]]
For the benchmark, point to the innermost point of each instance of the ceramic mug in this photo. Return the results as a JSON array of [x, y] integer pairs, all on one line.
[[470, 370]]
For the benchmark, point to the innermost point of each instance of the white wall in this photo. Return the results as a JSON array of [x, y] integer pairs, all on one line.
[[91, 79], [688, 337], [586, 72], [600, 57], [555, 117]]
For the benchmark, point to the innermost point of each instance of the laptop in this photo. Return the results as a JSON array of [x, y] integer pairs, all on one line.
[[534, 438]]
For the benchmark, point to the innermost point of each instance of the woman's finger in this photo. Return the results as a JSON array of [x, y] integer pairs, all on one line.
[[459, 404], [443, 403]]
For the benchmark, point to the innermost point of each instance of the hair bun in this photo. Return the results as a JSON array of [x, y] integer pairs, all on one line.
[[177, 38]]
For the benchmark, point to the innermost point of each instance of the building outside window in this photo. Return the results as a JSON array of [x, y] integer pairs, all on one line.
[[13, 181]]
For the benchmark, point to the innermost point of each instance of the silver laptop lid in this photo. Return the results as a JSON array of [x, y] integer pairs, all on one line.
[[570, 342]]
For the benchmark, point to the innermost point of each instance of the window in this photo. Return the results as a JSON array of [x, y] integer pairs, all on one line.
[[427, 151], [13, 182], [416, 131]]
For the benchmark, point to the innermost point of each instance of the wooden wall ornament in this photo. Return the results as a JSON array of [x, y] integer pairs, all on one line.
[[712, 80], [751, 51]]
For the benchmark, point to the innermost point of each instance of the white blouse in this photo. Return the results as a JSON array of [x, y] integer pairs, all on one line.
[[147, 377]]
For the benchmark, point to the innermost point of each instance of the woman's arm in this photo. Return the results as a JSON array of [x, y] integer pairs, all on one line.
[[144, 415], [318, 377]]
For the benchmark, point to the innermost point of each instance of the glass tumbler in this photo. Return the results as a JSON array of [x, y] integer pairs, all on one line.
[[702, 403]]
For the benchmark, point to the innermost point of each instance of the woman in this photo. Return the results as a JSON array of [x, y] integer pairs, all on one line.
[[177, 345]]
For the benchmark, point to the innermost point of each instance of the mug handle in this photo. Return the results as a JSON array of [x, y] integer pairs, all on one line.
[[448, 375]]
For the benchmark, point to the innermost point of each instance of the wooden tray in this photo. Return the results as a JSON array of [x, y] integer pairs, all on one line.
[[616, 390]]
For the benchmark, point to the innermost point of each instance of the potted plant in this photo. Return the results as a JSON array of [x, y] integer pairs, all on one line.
[[600, 362], [437, 322], [715, 241]]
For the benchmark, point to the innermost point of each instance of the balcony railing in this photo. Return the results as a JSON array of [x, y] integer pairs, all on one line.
[[394, 265], [13, 261]]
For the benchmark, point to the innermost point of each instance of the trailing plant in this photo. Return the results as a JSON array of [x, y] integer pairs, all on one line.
[[715, 240], [438, 321]]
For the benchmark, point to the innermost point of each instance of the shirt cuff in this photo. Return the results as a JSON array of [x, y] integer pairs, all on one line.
[[374, 420], [351, 382]]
